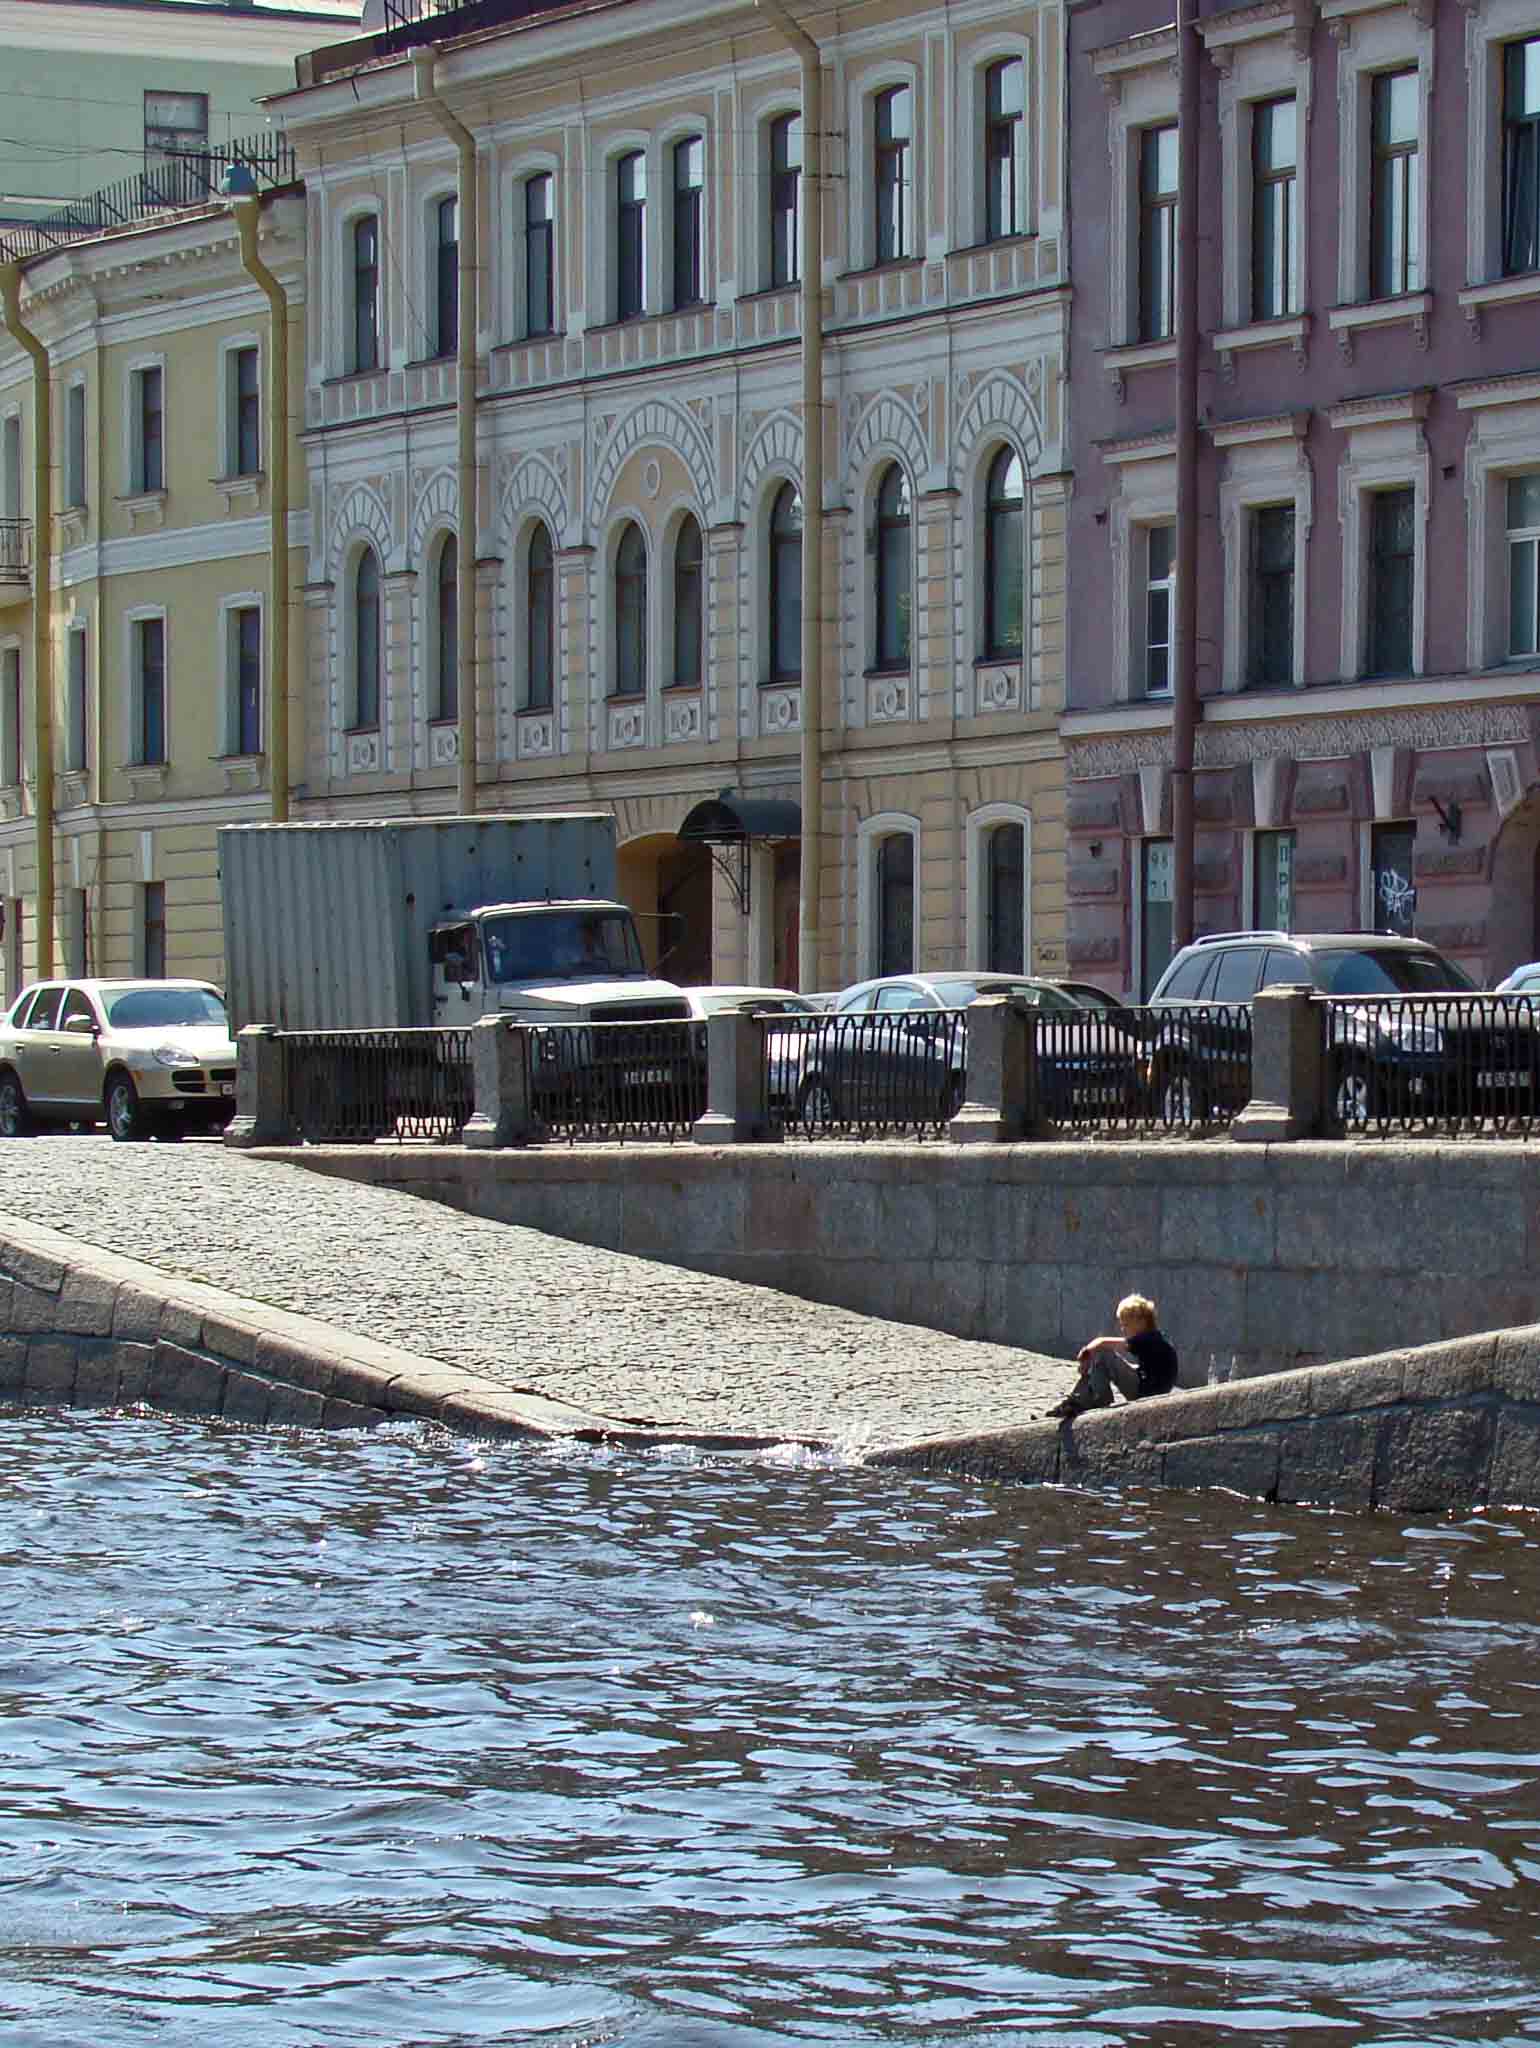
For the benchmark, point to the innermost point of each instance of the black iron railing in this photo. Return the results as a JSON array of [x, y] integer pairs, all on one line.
[[15, 550], [1445, 1065], [889, 1074], [352, 1087], [412, 22], [1181, 1070], [587, 1082], [179, 178]]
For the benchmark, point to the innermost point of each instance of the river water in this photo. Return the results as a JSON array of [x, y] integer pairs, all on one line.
[[401, 1742]]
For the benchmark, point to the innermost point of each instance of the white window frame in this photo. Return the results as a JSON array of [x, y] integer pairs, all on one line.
[[1146, 497], [864, 87], [428, 585], [1386, 40], [13, 746], [229, 641], [132, 438], [347, 642], [762, 622], [1257, 60], [622, 517], [363, 206], [672, 519], [227, 423], [1139, 76], [17, 510], [1487, 28], [755, 232], [1387, 449], [77, 489], [519, 617], [885, 459], [660, 167], [133, 680], [77, 631], [1504, 441], [972, 122], [541, 164], [977, 827], [606, 255], [869, 835], [443, 185], [1265, 465]]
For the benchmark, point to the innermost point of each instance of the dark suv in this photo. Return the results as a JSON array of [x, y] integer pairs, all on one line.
[[1387, 1057]]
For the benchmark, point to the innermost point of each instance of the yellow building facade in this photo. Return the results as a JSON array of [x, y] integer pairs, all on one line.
[[156, 578]]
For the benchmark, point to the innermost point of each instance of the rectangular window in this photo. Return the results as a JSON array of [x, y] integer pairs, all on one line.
[[246, 649], [1521, 157], [1392, 850], [446, 277], [149, 440], [894, 134], [1272, 893], [1272, 597], [539, 269], [1395, 253], [150, 681], [1157, 233], [75, 446], [366, 294], [1524, 564], [78, 933], [785, 199], [1274, 194], [1157, 876], [1004, 105], [689, 178], [245, 400], [10, 717], [10, 468], [175, 123], [1159, 606], [152, 929], [1392, 566], [78, 736], [630, 235]]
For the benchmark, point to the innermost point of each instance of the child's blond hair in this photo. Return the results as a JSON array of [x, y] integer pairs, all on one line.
[[1138, 1305]]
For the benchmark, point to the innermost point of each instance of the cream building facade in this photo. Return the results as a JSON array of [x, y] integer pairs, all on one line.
[[156, 578], [639, 435]]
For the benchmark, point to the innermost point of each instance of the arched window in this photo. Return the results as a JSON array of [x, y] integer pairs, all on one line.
[[631, 613], [893, 569], [539, 251], [1004, 104], [366, 294], [630, 235], [892, 139], [1003, 558], [895, 904], [689, 179], [446, 277], [786, 199], [1005, 852], [688, 593], [540, 622], [446, 612], [366, 643], [786, 585]]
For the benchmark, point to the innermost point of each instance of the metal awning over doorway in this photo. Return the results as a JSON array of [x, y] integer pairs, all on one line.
[[729, 824]]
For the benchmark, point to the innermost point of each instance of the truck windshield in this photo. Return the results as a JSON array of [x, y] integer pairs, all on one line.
[[561, 945]]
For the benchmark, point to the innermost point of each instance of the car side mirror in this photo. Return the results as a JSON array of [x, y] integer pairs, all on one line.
[[82, 1027]]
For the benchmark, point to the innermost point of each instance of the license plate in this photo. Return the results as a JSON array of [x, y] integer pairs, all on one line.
[[1502, 1080], [227, 1087]]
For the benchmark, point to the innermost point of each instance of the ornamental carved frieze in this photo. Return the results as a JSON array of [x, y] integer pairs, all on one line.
[[1306, 739]]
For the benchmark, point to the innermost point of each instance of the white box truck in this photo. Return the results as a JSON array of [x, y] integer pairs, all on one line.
[[392, 923]]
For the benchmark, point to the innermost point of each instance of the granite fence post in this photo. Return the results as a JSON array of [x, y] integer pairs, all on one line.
[[737, 1108], [1288, 1068], [500, 1073], [261, 1090], [1001, 1103]]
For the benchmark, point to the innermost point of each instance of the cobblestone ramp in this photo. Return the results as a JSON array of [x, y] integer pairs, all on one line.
[[203, 1280]]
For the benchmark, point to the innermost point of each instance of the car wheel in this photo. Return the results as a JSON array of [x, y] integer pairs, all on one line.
[[125, 1117], [1353, 1099], [16, 1119], [816, 1103]]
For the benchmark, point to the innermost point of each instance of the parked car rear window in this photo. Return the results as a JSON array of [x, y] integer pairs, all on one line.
[[1363, 972], [151, 1009]]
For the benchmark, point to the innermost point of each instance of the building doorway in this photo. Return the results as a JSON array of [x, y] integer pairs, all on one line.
[[1513, 914], [668, 886]]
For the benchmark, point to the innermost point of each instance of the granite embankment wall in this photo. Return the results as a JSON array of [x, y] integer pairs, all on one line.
[[1261, 1257], [1450, 1426]]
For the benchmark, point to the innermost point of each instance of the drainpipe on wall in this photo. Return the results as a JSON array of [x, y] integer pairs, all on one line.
[[247, 209], [1184, 695], [811, 887], [42, 610], [465, 419]]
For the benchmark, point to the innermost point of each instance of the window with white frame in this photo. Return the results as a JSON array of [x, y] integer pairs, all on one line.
[[785, 581], [1005, 882], [1523, 500], [1274, 209], [11, 752], [243, 406], [147, 449], [893, 569], [689, 161], [75, 446], [446, 629], [364, 294], [1384, 78], [1004, 559], [1266, 499], [149, 691], [894, 904], [1158, 548], [783, 192], [539, 254], [631, 613], [1270, 639], [1157, 232], [77, 739], [1521, 156], [540, 620], [10, 467], [244, 657], [1005, 149], [893, 174], [689, 602], [1395, 184], [446, 275], [1391, 581], [367, 647], [630, 176], [1383, 496]]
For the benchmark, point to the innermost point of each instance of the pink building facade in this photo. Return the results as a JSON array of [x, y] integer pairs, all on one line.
[[1368, 601]]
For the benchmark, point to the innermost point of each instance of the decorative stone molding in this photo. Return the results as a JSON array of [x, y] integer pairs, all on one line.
[[780, 711], [535, 735], [147, 779], [997, 688], [443, 743], [681, 717], [1319, 739], [888, 699], [626, 725], [362, 753], [244, 774]]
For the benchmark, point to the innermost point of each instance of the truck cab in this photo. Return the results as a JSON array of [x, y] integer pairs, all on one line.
[[573, 962]]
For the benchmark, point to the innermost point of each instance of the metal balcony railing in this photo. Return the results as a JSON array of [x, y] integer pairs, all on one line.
[[15, 551]]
